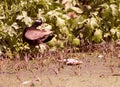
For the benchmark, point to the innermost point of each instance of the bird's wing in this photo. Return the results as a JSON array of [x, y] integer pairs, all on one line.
[[36, 34]]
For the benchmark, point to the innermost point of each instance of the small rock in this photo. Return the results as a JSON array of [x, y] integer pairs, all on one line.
[[100, 56], [71, 61]]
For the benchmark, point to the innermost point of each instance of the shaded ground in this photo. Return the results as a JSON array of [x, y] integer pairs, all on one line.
[[94, 72]]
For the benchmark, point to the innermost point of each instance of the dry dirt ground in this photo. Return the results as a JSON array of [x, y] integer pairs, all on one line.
[[97, 70]]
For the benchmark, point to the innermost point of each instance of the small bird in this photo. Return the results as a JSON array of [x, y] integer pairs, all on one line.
[[34, 36]]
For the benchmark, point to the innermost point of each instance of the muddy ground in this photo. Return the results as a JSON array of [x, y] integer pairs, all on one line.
[[97, 70]]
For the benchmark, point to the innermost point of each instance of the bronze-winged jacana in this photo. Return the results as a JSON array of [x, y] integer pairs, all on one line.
[[34, 36]]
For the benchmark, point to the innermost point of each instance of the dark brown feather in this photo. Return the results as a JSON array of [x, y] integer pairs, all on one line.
[[34, 36]]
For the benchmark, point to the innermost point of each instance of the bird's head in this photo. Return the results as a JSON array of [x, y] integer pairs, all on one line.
[[37, 23]]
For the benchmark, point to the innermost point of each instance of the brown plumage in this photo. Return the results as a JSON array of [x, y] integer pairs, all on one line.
[[34, 36]]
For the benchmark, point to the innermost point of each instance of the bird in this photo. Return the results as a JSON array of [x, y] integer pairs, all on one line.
[[34, 36]]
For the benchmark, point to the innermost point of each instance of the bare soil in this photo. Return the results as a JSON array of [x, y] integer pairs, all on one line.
[[95, 71]]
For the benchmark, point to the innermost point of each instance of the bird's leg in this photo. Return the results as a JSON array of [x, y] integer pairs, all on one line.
[[26, 57], [36, 52], [36, 55]]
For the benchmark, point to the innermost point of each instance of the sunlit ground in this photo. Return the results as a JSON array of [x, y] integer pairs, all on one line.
[[97, 70]]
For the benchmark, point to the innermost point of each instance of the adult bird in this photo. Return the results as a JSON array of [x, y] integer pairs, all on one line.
[[34, 36]]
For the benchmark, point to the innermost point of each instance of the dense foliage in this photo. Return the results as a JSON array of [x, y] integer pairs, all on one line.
[[73, 21]]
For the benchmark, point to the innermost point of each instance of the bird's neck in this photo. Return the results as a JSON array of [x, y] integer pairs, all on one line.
[[34, 26]]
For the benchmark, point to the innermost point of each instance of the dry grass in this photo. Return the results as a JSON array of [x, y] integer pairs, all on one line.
[[46, 70]]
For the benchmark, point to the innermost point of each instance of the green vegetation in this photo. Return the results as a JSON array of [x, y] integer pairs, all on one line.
[[74, 22]]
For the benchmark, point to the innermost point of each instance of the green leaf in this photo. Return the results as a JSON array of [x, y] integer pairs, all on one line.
[[15, 25], [27, 20], [113, 31], [118, 34], [76, 42], [106, 35], [52, 42], [60, 44], [77, 10], [114, 9], [19, 17], [60, 22], [97, 36], [92, 23]]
